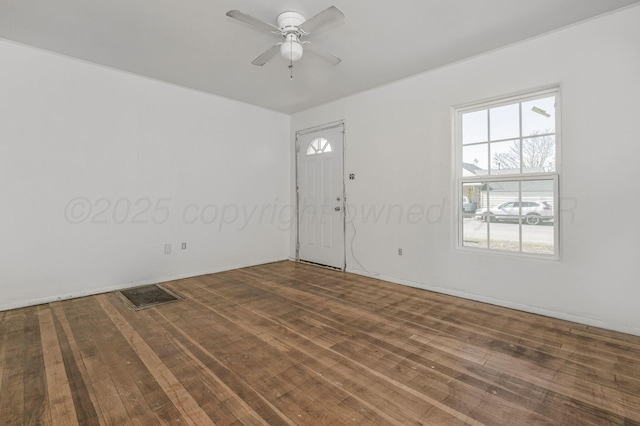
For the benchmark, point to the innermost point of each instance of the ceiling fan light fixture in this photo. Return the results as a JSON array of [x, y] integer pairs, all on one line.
[[291, 49]]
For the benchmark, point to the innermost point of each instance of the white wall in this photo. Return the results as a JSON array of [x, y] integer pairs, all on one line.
[[399, 145], [77, 139]]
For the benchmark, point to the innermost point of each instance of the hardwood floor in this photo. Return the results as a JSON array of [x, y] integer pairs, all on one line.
[[288, 343]]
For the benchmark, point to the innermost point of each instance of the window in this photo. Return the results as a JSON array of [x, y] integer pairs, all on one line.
[[318, 146], [507, 174]]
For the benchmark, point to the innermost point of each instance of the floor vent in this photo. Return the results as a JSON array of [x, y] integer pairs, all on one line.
[[147, 296]]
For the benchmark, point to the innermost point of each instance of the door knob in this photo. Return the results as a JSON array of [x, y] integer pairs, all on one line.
[[337, 209]]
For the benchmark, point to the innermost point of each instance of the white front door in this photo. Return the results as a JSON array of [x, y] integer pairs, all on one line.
[[321, 196]]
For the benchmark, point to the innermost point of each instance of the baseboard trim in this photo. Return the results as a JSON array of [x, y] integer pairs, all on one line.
[[122, 286], [593, 322]]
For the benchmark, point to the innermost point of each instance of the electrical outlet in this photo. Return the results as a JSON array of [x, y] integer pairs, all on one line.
[[167, 249], [184, 246], [400, 252]]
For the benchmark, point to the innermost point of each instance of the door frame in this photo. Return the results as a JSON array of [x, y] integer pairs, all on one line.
[[331, 125]]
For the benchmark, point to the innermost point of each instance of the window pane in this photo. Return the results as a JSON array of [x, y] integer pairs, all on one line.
[[474, 127], [475, 160], [474, 232], [505, 122], [505, 157], [503, 216], [539, 116], [500, 193], [539, 154], [538, 218], [504, 235]]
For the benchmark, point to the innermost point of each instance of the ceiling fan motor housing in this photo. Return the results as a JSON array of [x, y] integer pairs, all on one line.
[[290, 21]]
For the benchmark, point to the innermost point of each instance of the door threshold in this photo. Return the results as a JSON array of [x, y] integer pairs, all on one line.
[[320, 265]]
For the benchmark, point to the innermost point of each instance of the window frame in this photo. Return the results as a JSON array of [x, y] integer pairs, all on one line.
[[460, 180]]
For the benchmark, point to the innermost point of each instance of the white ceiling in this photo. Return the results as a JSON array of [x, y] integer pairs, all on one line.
[[192, 43]]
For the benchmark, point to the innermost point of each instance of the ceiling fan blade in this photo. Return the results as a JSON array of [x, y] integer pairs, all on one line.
[[327, 16], [267, 55], [321, 53], [254, 22]]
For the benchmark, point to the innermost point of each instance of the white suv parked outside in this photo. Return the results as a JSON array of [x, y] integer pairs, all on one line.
[[533, 212]]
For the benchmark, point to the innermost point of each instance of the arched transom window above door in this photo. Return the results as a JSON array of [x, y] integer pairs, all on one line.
[[318, 146]]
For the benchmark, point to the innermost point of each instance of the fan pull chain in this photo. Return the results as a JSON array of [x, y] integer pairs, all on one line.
[[291, 59]]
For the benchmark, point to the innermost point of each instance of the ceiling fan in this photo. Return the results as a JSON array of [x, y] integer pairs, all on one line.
[[292, 26]]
